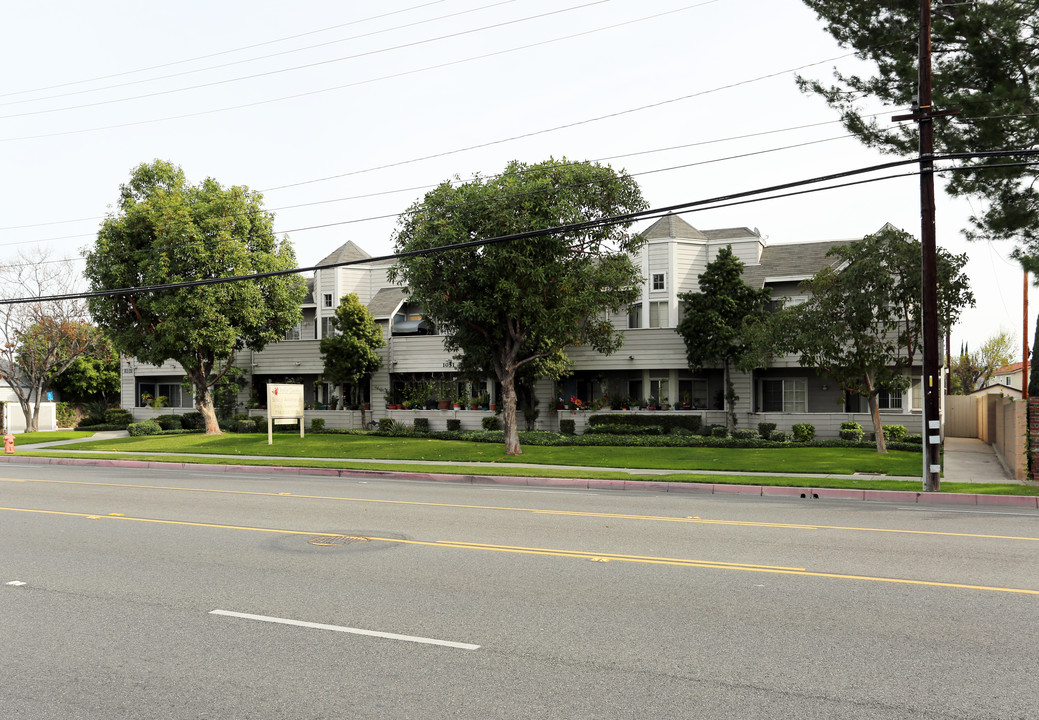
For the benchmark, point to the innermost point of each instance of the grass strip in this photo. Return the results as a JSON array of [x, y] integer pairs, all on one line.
[[851, 483], [835, 461]]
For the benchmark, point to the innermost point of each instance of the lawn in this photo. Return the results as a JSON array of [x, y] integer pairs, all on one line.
[[779, 461], [39, 437]]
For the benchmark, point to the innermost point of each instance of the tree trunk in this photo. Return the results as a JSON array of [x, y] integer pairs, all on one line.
[[874, 413], [508, 415], [32, 414], [204, 403], [730, 400]]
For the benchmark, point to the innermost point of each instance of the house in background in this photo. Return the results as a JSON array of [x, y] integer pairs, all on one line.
[[1011, 376], [649, 370]]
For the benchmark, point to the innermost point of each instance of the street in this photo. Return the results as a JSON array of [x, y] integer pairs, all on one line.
[[203, 594]]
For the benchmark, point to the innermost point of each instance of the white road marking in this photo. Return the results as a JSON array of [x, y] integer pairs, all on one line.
[[352, 631], [15, 583]]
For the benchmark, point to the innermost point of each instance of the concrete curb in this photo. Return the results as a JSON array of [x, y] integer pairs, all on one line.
[[890, 496]]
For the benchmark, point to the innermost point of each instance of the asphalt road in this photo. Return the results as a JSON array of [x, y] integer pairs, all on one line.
[[213, 595]]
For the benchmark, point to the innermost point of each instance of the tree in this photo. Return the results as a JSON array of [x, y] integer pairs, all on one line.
[[862, 324], [39, 340], [167, 231], [94, 375], [985, 58], [722, 323], [974, 370], [510, 306], [350, 353]]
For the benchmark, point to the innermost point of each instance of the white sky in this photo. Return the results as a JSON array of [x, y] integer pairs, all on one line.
[[376, 94]]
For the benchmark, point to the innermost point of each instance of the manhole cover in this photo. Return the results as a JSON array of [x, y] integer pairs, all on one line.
[[335, 540]]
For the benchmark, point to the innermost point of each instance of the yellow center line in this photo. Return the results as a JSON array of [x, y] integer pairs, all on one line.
[[577, 554], [536, 511]]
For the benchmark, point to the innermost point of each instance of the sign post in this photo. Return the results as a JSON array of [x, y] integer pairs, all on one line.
[[284, 407]]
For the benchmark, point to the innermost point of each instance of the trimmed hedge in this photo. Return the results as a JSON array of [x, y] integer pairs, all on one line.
[[146, 427], [118, 416], [625, 429], [493, 423], [664, 420], [454, 424], [422, 425], [804, 432], [317, 425], [193, 421], [567, 427], [170, 422]]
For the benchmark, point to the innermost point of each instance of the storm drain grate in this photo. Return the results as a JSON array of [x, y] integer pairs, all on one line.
[[332, 540]]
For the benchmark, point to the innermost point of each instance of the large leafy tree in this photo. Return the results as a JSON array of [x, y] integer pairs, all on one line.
[[350, 353], [165, 230], [39, 340], [862, 324], [723, 323], [93, 376], [985, 59], [516, 306]]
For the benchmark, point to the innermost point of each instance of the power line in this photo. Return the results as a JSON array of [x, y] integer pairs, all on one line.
[[222, 52], [306, 66], [403, 73], [257, 58]]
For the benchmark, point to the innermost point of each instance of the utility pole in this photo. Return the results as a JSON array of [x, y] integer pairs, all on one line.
[[924, 115], [1024, 351]]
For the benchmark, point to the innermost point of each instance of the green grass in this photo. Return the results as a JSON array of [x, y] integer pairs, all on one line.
[[38, 437], [851, 483], [836, 461]]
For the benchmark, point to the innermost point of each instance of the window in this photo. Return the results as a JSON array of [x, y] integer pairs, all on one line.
[[658, 387], [692, 394], [294, 333], [658, 281], [326, 299], [784, 395], [635, 316], [635, 389], [918, 394], [164, 393], [658, 314], [890, 399], [326, 327]]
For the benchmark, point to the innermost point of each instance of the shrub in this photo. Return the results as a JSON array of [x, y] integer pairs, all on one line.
[[454, 424], [65, 414], [385, 424], [719, 431], [689, 422], [147, 427], [625, 429], [245, 425], [170, 422], [895, 432], [804, 432], [193, 421], [681, 432], [421, 425], [493, 423], [915, 439], [317, 425], [851, 430], [747, 434], [765, 429], [567, 427], [777, 436], [118, 416]]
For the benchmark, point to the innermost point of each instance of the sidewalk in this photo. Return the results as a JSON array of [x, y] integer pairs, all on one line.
[[970, 460]]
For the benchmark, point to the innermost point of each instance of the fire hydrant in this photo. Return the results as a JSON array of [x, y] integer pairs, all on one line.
[[9, 444]]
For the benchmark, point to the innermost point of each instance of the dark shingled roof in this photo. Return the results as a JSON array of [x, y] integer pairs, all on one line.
[[348, 252], [386, 302], [795, 260], [737, 233], [672, 226]]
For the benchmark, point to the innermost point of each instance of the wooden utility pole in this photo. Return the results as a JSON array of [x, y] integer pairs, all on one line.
[[1024, 351], [924, 115]]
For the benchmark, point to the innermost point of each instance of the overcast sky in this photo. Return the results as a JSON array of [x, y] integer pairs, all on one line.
[[343, 113]]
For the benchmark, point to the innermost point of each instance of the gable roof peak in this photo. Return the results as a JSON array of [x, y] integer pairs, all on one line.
[[672, 226], [347, 252]]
